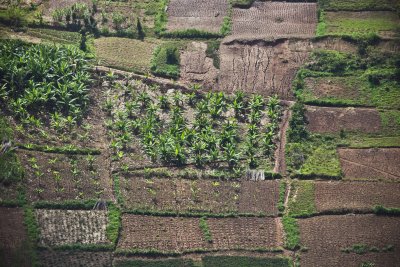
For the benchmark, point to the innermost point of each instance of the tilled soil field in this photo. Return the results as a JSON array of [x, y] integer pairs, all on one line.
[[373, 163], [196, 67], [62, 227], [260, 67], [183, 234], [201, 195], [331, 120], [275, 19], [331, 87], [206, 15], [161, 233], [326, 236], [57, 177], [337, 196], [49, 258], [245, 233], [14, 248]]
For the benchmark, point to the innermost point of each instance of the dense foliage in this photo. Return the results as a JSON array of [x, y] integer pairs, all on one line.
[[41, 79], [165, 61]]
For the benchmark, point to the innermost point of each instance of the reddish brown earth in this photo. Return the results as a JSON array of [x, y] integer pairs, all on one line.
[[261, 67], [330, 120], [49, 258], [373, 163], [201, 195], [196, 67], [275, 19], [160, 233], [325, 236], [14, 246], [206, 15], [183, 234], [245, 233], [50, 177], [331, 87], [337, 196]]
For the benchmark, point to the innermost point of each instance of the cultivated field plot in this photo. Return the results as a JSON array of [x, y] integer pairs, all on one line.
[[126, 54], [275, 19], [49, 258], [57, 177], [383, 23], [329, 235], [331, 120], [374, 163], [14, 246], [49, 7], [338, 196], [196, 67], [183, 234], [201, 195], [161, 233], [263, 68], [65, 227], [357, 5], [206, 15], [245, 233]]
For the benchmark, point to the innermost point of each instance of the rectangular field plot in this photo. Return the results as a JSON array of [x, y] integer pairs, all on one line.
[[334, 240], [275, 19], [201, 195], [373, 163], [176, 234], [333, 120], [14, 246], [337, 196], [206, 15], [65, 227], [263, 68], [161, 233], [245, 233], [57, 177], [383, 23], [74, 258]]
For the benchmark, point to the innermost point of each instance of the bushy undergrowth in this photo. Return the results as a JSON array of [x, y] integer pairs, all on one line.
[[165, 61], [291, 227], [303, 205], [114, 223], [190, 34], [42, 79], [205, 229]]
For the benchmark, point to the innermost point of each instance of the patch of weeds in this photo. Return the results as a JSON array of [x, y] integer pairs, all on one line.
[[291, 227], [165, 61], [303, 204], [242, 3], [161, 17], [205, 230], [114, 223], [33, 232], [243, 261], [321, 27], [86, 204], [190, 34], [381, 210], [156, 263], [213, 52], [282, 194]]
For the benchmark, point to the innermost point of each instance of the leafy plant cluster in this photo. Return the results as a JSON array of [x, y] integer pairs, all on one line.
[[205, 229], [74, 15], [227, 129], [41, 79], [165, 61]]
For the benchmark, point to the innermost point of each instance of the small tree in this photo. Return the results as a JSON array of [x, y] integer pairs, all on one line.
[[83, 45], [140, 31]]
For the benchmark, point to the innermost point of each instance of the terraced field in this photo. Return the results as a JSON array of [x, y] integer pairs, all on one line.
[[184, 133]]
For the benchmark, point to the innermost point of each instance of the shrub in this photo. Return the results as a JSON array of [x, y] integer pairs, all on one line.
[[165, 61], [334, 62], [297, 126]]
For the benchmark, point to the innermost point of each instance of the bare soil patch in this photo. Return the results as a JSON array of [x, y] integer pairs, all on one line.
[[49, 258], [196, 67], [245, 233], [337, 196], [201, 195], [373, 163], [161, 233], [61, 227], [261, 67], [14, 246], [325, 236], [206, 15], [58, 177], [330, 120], [276, 19], [331, 87]]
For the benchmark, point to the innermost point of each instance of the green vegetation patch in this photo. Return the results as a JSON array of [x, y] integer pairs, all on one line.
[[302, 201], [155, 263], [242, 261], [125, 54], [345, 23], [242, 3], [358, 5], [381, 210], [213, 52], [114, 223], [292, 232], [205, 229], [282, 194], [166, 59], [370, 142], [361, 249]]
